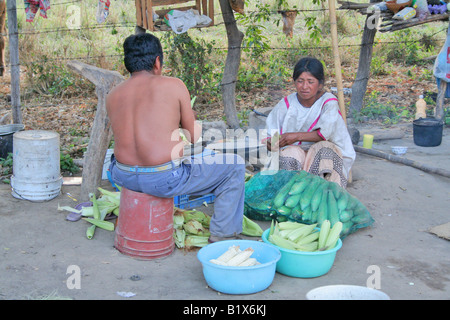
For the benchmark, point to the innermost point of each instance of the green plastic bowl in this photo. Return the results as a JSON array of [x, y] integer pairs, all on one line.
[[301, 264]]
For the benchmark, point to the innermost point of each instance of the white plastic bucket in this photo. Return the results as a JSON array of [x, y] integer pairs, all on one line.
[[36, 165]]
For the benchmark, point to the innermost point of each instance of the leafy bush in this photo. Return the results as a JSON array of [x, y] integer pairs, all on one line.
[[190, 60]]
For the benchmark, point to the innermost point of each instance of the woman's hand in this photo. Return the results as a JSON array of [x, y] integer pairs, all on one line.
[[289, 138]]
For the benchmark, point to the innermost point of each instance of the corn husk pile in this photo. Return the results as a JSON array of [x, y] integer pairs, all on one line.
[[191, 227], [107, 203]]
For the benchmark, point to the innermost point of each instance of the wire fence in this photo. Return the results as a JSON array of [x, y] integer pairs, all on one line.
[[101, 27]]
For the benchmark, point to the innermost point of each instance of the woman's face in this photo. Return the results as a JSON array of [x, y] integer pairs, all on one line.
[[307, 86]]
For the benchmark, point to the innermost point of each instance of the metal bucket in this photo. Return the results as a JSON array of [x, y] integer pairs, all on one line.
[[36, 165], [6, 138], [427, 132]]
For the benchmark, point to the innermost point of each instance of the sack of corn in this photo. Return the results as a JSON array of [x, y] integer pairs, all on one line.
[[306, 198]]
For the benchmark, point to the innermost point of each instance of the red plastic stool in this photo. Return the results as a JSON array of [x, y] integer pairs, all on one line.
[[145, 225]]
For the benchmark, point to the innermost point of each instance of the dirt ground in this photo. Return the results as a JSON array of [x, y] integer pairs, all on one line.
[[40, 250]]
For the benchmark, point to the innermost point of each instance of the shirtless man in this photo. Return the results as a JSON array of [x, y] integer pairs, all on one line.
[[146, 112]]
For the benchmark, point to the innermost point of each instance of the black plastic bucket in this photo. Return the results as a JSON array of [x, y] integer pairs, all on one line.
[[427, 132], [6, 138]]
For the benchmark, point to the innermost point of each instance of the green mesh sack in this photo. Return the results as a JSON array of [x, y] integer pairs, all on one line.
[[306, 198], [260, 191]]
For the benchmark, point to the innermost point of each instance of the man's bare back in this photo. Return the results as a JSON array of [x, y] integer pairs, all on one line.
[[146, 112]]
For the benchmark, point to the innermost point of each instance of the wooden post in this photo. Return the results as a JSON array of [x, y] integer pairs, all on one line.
[[13, 35], [101, 133], [337, 60], [439, 111]]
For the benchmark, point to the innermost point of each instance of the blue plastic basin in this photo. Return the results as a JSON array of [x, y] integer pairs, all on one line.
[[239, 280], [301, 264]]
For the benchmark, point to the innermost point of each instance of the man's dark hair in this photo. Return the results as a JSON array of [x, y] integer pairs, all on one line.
[[140, 52], [311, 65]]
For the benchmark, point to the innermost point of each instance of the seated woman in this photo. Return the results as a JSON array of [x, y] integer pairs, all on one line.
[[313, 134]]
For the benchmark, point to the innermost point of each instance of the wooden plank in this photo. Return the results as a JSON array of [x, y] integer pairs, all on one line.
[[149, 16], [353, 5], [158, 3], [138, 12], [416, 22], [162, 12], [144, 14], [211, 11], [204, 7]]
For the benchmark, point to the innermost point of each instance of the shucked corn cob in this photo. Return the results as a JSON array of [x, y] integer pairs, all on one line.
[[302, 237], [234, 257], [240, 257], [230, 253], [248, 262]]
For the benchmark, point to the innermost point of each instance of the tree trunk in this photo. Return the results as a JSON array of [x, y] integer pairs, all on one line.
[[365, 57], [231, 65]]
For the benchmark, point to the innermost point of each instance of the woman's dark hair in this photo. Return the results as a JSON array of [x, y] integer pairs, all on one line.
[[140, 52], [311, 65]]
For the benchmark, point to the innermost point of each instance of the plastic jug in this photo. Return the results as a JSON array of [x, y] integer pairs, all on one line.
[[421, 106]]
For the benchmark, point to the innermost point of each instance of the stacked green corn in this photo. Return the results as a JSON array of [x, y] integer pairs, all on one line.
[[309, 199]]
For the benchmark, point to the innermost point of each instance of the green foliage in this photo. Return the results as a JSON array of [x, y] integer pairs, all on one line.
[[387, 113], [189, 59], [379, 66], [255, 42], [315, 33], [48, 77], [6, 165], [67, 164], [243, 116], [403, 50]]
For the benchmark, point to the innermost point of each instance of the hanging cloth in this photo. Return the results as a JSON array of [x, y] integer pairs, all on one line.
[[32, 7], [102, 10]]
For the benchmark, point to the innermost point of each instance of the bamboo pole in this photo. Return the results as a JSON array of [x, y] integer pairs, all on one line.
[[337, 60]]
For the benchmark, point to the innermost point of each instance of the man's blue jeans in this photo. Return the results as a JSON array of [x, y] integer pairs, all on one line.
[[220, 174]]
